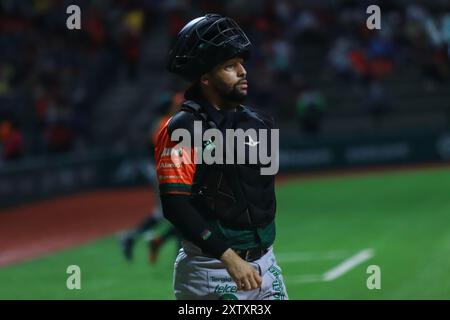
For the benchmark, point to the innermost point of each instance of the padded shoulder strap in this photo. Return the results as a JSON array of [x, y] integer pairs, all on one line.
[[195, 108]]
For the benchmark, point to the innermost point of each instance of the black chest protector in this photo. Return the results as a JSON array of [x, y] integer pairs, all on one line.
[[235, 194]]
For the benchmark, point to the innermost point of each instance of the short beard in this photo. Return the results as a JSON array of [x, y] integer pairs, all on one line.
[[234, 95], [230, 95]]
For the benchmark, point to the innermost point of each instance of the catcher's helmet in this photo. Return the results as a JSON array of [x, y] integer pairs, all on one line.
[[204, 43]]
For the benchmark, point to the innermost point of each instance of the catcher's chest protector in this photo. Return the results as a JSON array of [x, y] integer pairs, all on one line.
[[236, 194]]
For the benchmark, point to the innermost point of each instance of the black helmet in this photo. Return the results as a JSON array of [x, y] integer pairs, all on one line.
[[204, 43]]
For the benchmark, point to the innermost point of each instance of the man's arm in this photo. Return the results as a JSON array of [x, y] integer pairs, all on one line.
[[180, 212]]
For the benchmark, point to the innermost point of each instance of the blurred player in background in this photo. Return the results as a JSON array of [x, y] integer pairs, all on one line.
[[168, 107]]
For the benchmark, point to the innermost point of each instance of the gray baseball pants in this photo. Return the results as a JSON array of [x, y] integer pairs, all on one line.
[[197, 276]]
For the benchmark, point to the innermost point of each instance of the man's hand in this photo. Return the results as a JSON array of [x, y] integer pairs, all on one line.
[[242, 272]]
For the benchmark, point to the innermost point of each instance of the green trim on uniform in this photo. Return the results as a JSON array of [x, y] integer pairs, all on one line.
[[177, 187], [245, 239], [228, 296], [267, 234]]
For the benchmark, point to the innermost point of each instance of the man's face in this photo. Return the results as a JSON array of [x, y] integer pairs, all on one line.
[[229, 80]]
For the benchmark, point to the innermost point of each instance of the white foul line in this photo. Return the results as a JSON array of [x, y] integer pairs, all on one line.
[[348, 264]]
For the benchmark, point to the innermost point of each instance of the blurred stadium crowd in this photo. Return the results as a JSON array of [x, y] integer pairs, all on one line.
[[315, 67]]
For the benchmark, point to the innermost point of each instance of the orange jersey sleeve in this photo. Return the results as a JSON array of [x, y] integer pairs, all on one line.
[[161, 124], [175, 164]]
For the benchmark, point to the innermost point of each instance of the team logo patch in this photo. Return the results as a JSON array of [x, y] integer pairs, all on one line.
[[206, 234], [222, 286], [210, 147]]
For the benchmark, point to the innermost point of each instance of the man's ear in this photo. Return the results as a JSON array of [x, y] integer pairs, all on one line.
[[204, 79]]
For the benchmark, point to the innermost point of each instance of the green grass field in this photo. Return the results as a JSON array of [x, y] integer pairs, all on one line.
[[403, 217]]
